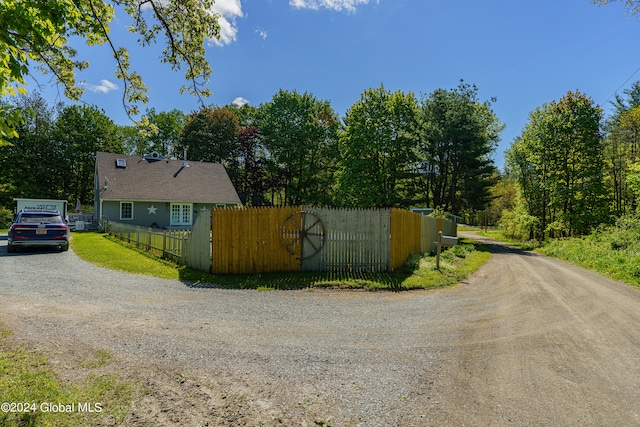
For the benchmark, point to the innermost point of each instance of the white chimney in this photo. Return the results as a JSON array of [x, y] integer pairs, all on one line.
[[185, 164]]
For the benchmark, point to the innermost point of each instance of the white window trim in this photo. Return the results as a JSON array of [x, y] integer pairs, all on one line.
[[126, 219], [181, 223]]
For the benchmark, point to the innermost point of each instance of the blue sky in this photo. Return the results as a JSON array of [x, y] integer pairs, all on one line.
[[524, 53]]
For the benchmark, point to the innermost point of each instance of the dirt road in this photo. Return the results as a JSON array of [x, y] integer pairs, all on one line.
[[541, 342], [526, 341]]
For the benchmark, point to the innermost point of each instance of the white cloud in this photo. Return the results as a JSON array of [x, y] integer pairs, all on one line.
[[105, 86], [240, 101], [262, 33], [338, 5], [228, 11]]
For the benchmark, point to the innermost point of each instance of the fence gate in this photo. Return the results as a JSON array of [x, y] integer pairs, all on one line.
[[356, 240], [303, 234]]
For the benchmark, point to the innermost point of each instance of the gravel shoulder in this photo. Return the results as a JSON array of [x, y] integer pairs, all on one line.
[[525, 341]]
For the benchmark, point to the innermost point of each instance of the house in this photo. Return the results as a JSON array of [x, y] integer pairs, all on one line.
[[152, 191]]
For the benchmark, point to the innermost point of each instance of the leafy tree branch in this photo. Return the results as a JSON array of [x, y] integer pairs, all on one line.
[[37, 32]]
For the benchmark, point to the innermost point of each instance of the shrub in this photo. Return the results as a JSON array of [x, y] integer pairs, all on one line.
[[6, 217], [611, 250], [517, 223]]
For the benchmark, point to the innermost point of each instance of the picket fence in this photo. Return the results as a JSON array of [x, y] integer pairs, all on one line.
[[161, 243], [188, 247], [260, 240]]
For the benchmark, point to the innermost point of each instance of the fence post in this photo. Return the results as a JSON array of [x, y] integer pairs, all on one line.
[[438, 247], [164, 243]]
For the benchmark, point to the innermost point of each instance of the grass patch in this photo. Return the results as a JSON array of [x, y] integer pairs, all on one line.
[[498, 235], [101, 358], [103, 251], [418, 273], [455, 265], [30, 383], [610, 250]]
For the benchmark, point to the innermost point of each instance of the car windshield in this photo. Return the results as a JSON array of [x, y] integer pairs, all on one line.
[[37, 218]]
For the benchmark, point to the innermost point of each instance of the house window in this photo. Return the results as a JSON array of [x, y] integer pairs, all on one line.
[[126, 210], [181, 213]]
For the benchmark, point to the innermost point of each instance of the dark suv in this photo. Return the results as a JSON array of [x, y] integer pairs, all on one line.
[[38, 228]]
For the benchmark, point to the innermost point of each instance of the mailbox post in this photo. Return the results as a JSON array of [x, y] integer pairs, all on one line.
[[445, 241]]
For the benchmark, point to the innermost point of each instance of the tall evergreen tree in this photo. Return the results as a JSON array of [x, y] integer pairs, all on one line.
[[458, 135]]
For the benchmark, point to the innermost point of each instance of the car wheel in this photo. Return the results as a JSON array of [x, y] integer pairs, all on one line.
[[64, 248], [11, 248]]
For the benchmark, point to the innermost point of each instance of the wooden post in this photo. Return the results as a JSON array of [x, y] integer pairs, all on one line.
[[438, 247], [447, 241]]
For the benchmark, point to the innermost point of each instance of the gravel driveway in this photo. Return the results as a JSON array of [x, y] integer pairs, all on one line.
[[526, 341]]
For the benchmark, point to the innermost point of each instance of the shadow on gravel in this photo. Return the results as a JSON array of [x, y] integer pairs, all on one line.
[[296, 281], [417, 274], [29, 251], [502, 248]]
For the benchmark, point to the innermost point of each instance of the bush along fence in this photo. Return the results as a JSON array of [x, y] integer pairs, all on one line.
[[187, 247], [260, 240]]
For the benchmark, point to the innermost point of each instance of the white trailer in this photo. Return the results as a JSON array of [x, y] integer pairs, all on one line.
[[42, 204]]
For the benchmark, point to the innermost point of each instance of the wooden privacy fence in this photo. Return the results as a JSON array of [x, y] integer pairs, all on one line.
[[260, 240], [248, 241]]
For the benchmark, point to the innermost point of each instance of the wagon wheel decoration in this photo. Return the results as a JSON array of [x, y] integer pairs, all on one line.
[[305, 229]]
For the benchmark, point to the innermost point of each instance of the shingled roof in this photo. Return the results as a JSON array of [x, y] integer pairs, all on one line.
[[123, 177]]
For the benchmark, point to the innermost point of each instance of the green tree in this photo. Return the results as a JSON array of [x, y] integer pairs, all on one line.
[[503, 198], [621, 147], [579, 193], [252, 182], [378, 150], [210, 136], [300, 134], [633, 179], [160, 134], [517, 223], [530, 171], [458, 135], [38, 33], [622, 144], [558, 162], [255, 163], [248, 115], [34, 151], [632, 6], [627, 102], [80, 131]]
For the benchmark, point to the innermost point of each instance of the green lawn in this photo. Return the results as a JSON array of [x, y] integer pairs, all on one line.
[[40, 398], [101, 250], [419, 273]]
